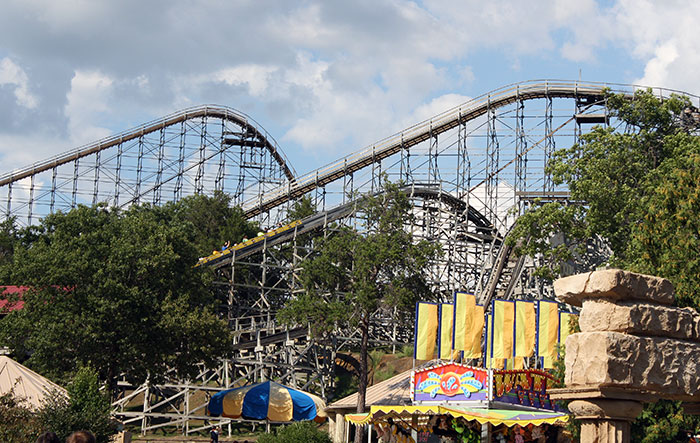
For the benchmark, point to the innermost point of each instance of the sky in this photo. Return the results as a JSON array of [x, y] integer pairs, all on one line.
[[324, 77]]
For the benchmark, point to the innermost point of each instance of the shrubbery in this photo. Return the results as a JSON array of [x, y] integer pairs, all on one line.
[[87, 408], [300, 432], [17, 422]]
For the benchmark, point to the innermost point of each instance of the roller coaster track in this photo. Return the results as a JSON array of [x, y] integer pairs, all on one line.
[[476, 258], [588, 92], [221, 112], [288, 232], [496, 274]]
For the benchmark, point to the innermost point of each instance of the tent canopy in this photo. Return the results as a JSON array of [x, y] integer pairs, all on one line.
[[25, 384], [267, 401]]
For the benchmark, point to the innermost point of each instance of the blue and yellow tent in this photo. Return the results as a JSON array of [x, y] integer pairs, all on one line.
[[267, 401]]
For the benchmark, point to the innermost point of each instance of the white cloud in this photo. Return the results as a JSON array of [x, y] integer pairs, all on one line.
[[664, 36], [325, 77], [329, 105], [88, 98], [14, 75], [255, 77], [66, 15], [522, 27], [435, 106], [24, 149], [656, 71]]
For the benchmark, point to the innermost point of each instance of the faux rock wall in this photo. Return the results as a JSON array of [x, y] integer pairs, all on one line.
[[631, 337]]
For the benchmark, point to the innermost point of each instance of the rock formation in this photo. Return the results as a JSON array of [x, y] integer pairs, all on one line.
[[634, 347]]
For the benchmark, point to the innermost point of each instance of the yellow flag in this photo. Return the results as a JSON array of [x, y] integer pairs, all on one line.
[[463, 320], [564, 326], [496, 363], [426, 330], [503, 323], [489, 338], [524, 329], [445, 340], [548, 362], [519, 363], [548, 319], [475, 333]]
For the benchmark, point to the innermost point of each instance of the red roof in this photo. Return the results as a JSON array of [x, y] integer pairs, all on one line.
[[9, 306]]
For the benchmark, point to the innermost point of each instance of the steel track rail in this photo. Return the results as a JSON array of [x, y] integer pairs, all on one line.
[[221, 112], [315, 221], [423, 131]]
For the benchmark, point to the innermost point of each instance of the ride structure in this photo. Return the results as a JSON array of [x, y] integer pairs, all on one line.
[[469, 173]]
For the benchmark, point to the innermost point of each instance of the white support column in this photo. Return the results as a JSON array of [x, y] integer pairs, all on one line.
[[340, 428], [331, 426]]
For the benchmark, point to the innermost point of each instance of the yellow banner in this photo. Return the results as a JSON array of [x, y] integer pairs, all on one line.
[[489, 338], [547, 337], [445, 342], [565, 326], [524, 329], [496, 363], [463, 320], [503, 323], [548, 362], [518, 363], [475, 333], [426, 330]]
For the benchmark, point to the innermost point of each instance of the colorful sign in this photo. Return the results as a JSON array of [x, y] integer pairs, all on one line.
[[524, 387], [449, 382]]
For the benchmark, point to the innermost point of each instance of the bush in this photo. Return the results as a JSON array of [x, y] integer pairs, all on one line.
[[406, 351], [17, 422], [299, 432], [345, 384], [86, 408]]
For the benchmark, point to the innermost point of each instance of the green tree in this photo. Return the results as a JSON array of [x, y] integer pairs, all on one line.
[[213, 220], [18, 423], [353, 274], [86, 408], [301, 209], [610, 170], [662, 422], [117, 291], [666, 241], [640, 185], [8, 239]]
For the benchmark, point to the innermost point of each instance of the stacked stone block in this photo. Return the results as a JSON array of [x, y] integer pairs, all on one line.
[[631, 336], [634, 347]]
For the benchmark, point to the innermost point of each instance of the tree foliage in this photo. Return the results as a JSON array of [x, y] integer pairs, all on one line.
[[666, 241], [639, 189], [8, 239], [18, 424], [357, 272], [86, 408], [213, 220], [662, 422], [301, 209], [611, 173], [117, 290]]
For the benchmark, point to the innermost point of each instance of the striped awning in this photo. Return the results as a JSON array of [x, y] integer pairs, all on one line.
[[380, 414]]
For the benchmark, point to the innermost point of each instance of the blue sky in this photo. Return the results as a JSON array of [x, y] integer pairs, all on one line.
[[325, 78]]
